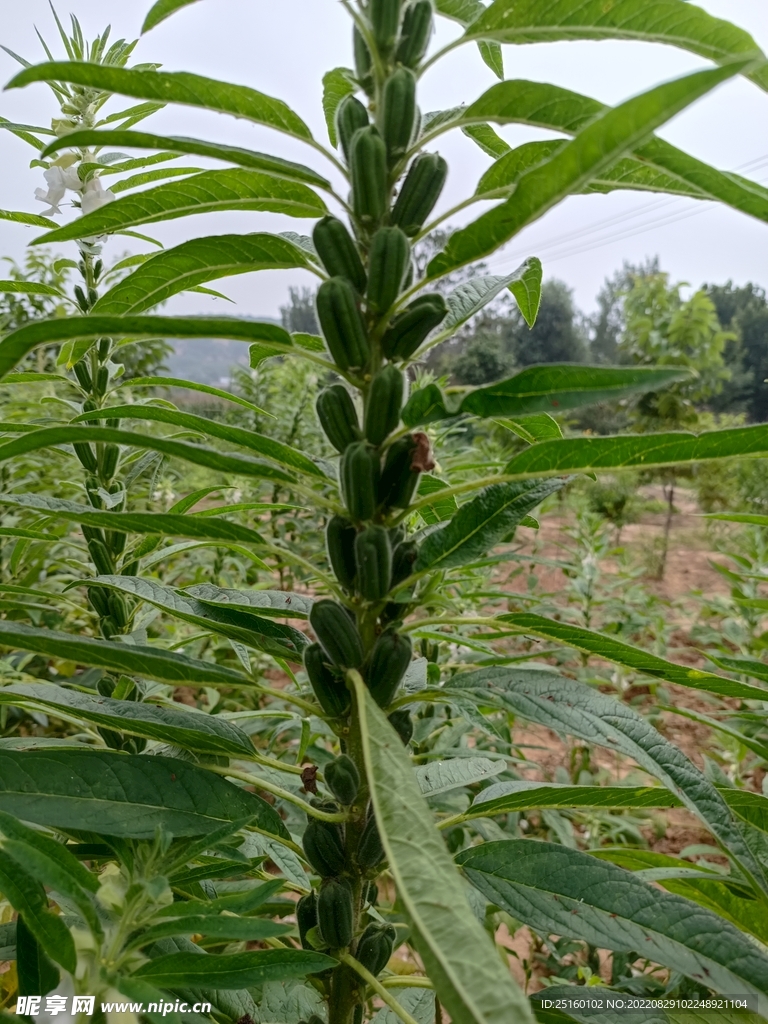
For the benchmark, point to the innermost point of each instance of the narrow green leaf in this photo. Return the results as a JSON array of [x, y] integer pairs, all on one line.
[[751, 807], [745, 666], [472, 983], [540, 389], [534, 429], [261, 443], [147, 662], [634, 658], [222, 462], [208, 192], [224, 928], [161, 10], [479, 525], [465, 12], [152, 523], [191, 385], [18, 343], [173, 87], [492, 56], [337, 84], [30, 288], [194, 262], [575, 709], [654, 165], [262, 634], [262, 602], [207, 734], [443, 776], [593, 454], [738, 517], [487, 139], [718, 895], [192, 147], [28, 218], [232, 970], [129, 795], [149, 177], [60, 858], [27, 897], [36, 973], [504, 797], [596, 147], [554, 889], [658, 21], [443, 507], [473, 295]]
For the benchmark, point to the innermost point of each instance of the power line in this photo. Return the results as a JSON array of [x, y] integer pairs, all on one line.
[[553, 245]]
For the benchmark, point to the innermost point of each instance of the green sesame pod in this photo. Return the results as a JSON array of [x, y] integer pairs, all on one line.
[[373, 557], [85, 454], [107, 457], [89, 405], [337, 633], [390, 657], [403, 559], [105, 344], [370, 852], [398, 113], [338, 416], [351, 116], [398, 479], [99, 600], [375, 946], [343, 779], [101, 558], [336, 248], [323, 843], [372, 895], [363, 62], [370, 184], [409, 329], [330, 690], [306, 916], [340, 540], [118, 609], [402, 723], [360, 479], [115, 541], [385, 22], [417, 27], [83, 375], [92, 533], [342, 325], [102, 380], [109, 628], [336, 912], [385, 401], [421, 190], [388, 263]]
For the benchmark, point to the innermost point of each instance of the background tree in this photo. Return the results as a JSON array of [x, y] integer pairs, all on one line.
[[662, 329], [744, 312]]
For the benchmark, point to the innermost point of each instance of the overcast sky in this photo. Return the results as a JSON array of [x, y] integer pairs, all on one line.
[[582, 241]]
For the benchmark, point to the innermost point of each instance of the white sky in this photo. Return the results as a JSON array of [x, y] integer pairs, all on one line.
[[243, 41]]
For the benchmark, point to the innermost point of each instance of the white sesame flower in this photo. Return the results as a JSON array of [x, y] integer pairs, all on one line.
[[58, 179], [54, 177], [95, 196]]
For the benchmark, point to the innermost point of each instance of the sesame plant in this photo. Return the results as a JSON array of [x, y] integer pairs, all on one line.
[[313, 837]]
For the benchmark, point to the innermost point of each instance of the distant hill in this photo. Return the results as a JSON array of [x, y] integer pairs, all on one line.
[[210, 360]]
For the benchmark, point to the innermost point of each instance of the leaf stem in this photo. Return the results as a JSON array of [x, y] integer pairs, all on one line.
[[378, 988], [284, 794]]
